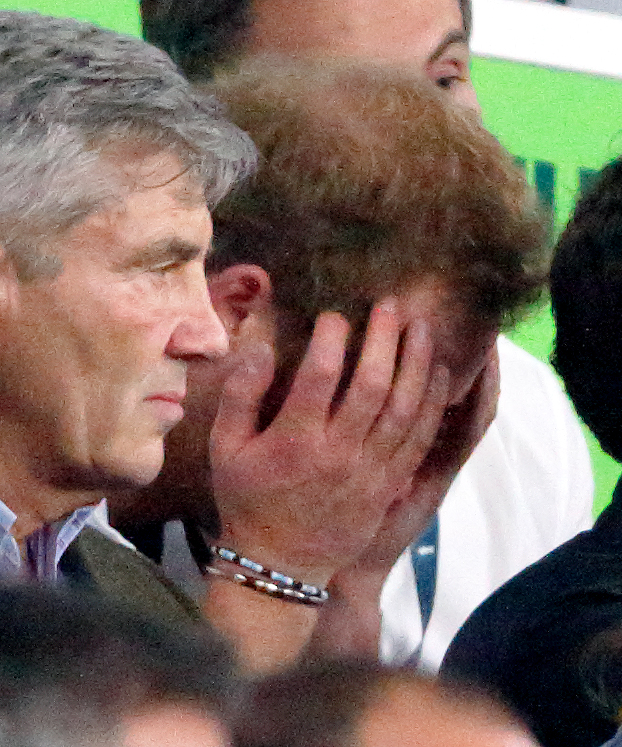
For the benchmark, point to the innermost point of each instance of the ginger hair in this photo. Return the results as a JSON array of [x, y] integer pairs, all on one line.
[[369, 180]]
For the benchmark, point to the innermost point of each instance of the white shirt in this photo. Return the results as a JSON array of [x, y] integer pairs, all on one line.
[[527, 488], [615, 741], [45, 547]]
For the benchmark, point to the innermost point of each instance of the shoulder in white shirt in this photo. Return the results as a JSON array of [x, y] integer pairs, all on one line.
[[527, 488]]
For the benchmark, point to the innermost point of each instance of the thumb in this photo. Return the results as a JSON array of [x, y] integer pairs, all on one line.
[[252, 371]]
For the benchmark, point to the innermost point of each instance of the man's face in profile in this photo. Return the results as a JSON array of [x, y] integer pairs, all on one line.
[[427, 35], [94, 360], [461, 342]]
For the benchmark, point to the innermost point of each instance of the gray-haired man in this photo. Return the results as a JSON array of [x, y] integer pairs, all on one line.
[[107, 159]]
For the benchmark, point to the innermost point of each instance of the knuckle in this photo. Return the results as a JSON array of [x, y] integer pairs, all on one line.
[[404, 409], [323, 371], [372, 388]]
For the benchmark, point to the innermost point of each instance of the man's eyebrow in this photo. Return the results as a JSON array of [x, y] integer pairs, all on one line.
[[174, 249], [453, 37]]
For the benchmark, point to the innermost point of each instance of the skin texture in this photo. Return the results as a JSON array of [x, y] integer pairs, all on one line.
[[366, 449], [308, 493], [94, 361], [428, 36], [171, 725], [417, 716], [316, 487]]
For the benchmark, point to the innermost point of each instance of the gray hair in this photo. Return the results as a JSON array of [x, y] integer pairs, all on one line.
[[68, 90]]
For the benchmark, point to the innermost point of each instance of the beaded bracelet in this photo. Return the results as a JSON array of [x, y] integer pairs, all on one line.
[[280, 579], [266, 587]]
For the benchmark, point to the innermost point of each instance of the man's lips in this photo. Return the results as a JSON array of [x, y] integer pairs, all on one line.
[[168, 405], [177, 396]]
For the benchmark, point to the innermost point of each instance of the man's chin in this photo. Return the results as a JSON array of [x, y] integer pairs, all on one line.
[[136, 473], [127, 468]]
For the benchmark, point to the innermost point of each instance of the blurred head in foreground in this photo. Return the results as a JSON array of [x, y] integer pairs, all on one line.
[[76, 672], [354, 705]]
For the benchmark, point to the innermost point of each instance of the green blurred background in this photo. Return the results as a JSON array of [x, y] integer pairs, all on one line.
[[564, 127], [121, 15], [561, 126]]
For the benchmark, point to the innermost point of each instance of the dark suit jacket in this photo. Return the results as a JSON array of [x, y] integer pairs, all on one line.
[[93, 563], [528, 642]]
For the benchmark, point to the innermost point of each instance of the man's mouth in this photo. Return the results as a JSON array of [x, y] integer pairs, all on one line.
[[168, 406]]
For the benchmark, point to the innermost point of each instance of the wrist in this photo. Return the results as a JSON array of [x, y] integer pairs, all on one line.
[[267, 634], [277, 554], [227, 564], [357, 587]]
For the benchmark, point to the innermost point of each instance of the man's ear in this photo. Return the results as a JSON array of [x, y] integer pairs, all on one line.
[[238, 291]]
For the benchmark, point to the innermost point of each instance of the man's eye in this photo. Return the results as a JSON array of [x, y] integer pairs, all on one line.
[[447, 81], [448, 73], [164, 267]]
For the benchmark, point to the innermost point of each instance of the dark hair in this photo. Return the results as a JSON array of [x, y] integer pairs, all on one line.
[[586, 292], [202, 34], [72, 667], [197, 34]]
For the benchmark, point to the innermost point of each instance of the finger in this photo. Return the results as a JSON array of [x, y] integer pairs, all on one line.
[[312, 391], [371, 383], [409, 387], [464, 425], [424, 429], [252, 372], [484, 402]]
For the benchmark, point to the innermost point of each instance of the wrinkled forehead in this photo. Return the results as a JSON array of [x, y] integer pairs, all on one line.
[[388, 31]]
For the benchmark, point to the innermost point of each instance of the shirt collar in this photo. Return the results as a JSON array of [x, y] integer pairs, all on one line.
[[10, 557], [45, 546]]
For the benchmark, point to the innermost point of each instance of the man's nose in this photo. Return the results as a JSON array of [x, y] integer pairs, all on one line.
[[199, 331]]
